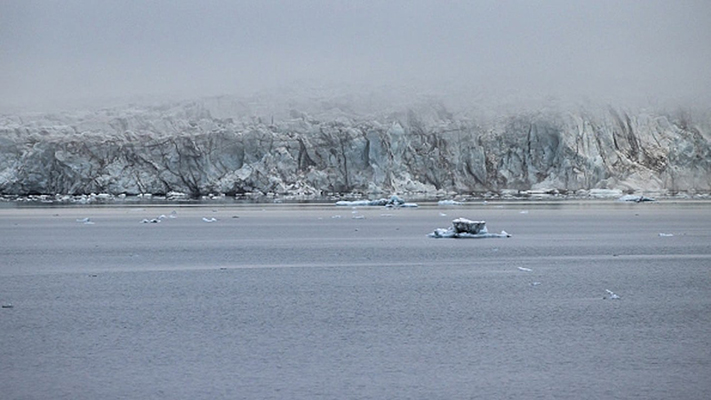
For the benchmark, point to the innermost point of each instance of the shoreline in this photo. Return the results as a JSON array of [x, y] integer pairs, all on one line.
[[529, 196]]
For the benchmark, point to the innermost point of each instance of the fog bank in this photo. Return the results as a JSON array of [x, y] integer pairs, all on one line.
[[80, 53]]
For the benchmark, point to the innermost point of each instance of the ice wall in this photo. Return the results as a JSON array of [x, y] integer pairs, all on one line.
[[220, 146]]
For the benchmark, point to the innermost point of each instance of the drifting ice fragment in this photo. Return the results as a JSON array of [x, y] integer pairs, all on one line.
[[467, 229], [87, 221], [666, 234], [449, 203], [393, 201], [213, 219], [612, 294], [525, 269], [635, 199], [357, 203]]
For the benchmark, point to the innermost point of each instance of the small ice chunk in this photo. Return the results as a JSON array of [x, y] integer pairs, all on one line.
[[635, 199], [613, 295], [449, 203], [359, 217], [335, 216], [213, 219], [666, 234], [87, 221], [355, 203], [525, 269]]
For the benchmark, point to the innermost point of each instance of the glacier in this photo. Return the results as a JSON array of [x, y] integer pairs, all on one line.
[[222, 146]]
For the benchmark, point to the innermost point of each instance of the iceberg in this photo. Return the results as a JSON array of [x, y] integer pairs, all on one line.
[[463, 228]]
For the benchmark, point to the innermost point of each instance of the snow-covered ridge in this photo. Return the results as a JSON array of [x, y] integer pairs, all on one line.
[[421, 150]]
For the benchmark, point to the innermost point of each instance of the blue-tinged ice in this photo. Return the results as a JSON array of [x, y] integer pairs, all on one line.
[[449, 203], [463, 228]]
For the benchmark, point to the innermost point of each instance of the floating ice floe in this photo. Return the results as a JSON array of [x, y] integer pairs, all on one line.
[[358, 203], [87, 221], [613, 295], [635, 199], [160, 218], [213, 219], [599, 193], [463, 228], [393, 201], [666, 234], [449, 203], [524, 269], [173, 195]]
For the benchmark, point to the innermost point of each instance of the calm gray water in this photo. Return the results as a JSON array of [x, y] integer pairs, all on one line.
[[288, 302]]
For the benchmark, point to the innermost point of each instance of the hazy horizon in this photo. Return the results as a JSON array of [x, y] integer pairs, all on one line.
[[56, 53]]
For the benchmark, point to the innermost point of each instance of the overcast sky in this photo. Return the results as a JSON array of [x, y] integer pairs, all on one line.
[[55, 51]]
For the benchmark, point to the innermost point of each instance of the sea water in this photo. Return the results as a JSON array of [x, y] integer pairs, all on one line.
[[290, 302]]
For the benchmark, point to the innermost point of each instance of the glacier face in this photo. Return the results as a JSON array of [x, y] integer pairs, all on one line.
[[209, 147]]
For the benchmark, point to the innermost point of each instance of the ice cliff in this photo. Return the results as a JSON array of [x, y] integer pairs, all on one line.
[[228, 146]]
